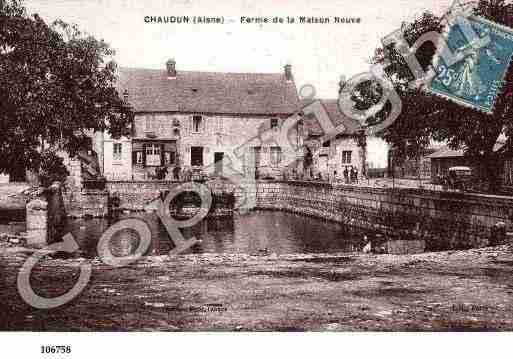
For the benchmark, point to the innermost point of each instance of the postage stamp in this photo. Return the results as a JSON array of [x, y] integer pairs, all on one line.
[[477, 77]]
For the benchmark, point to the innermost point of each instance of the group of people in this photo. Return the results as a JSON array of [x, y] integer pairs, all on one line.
[[351, 174], [162, 172]]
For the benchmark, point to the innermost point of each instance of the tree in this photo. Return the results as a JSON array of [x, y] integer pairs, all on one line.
[[426, 117], [56, 84]]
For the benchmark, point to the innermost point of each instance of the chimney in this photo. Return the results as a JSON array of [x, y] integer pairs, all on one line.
[[288, 72], [171, 68]]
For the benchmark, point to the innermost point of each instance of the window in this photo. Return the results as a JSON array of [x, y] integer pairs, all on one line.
[[274, 123], [219, 125], [149, 123], [153, 155], [139, 158], [196, 123], [346, 157], [326, 144], [117, 151], [275, 156]]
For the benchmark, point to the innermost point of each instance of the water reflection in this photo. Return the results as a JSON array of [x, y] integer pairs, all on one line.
[[253, 233]]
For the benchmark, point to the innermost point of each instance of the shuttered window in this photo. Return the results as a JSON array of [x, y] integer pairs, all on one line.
[[153, 155], [346, 157], [197, 124]]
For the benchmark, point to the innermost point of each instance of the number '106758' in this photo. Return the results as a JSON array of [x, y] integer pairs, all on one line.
[[55, 349]]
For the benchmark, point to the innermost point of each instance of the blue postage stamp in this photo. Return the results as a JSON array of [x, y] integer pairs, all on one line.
[[476, 76]]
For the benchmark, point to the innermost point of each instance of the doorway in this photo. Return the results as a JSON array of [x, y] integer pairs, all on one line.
[[218, 161], [196, 156], [257, 158]]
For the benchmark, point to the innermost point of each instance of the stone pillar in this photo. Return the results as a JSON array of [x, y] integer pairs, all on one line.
[[75, 174], [361, 141], [37, 223]]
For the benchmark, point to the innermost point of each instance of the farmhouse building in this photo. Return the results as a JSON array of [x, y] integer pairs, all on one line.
[[327, 160], [189, 122]]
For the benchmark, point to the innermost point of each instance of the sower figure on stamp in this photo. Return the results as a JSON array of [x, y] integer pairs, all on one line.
[[468, 81]]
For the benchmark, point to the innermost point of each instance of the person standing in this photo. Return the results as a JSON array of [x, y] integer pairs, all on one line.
[[346, 175], [176, 172]]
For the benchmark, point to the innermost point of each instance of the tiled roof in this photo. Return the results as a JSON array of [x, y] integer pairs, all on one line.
[[208, 92], [336, 116], [446, 152]]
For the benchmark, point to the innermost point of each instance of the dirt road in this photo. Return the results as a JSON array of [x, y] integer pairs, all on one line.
[[456, 290]]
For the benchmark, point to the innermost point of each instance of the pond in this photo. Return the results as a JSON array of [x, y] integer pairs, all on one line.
[[12, 221], [254, 233]]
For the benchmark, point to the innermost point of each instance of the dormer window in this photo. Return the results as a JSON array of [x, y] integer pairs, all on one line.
[[197, 123]]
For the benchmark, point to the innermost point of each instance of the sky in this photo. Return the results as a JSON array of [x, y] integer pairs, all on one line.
[[319, 53]]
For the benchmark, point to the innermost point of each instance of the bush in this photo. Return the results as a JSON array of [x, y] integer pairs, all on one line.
[[51, 169]]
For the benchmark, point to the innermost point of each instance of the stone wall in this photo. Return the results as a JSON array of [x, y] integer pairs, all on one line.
[[86, 202], [216, 134], [443, 219], [136, 195]]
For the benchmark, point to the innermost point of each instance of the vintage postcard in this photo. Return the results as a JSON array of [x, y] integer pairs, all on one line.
[[241, 167]]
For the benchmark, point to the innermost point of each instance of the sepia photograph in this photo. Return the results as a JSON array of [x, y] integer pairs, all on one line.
[[245, 168]]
